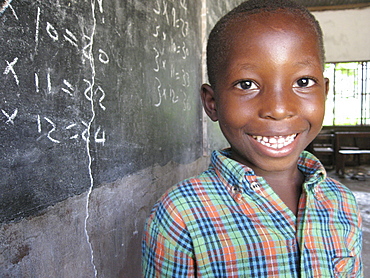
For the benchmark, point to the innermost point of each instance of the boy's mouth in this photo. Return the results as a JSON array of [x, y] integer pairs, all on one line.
[[275, 142]]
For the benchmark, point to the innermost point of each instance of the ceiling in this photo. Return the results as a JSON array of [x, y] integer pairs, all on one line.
[[317, 5]]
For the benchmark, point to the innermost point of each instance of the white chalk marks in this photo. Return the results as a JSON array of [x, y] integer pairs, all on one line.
[[53, 127], [11, 117], [103, 57], [53, 34], [69, 89], [172, 39], [58, 133], [7, 5], [10, 69], [49, 35]]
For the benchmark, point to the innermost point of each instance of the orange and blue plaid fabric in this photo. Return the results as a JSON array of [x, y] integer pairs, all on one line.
[[227, 222]]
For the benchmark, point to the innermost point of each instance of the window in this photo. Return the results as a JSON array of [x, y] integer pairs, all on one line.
[[348, 101]]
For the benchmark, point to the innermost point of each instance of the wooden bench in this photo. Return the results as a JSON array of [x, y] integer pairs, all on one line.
[[323, 146], [341, 158], [341, 150]]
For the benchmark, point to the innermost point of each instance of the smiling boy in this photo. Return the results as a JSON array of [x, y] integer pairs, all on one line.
[[265, 207]]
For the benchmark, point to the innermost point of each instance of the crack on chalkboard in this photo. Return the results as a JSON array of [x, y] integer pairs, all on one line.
[[92, 64]]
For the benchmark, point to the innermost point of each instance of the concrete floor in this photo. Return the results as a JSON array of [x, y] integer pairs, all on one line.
[[357, 178]]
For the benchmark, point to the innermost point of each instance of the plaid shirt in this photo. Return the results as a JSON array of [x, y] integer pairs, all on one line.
[[228, 222]]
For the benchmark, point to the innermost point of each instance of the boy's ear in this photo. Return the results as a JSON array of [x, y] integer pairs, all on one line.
[[209, 102], [326, 87]]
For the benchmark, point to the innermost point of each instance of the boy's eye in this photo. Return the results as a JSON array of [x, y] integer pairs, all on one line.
[[246, 85], [304, 83]]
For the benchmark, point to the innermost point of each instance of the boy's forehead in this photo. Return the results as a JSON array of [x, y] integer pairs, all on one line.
[[278, 24], [283, 19]]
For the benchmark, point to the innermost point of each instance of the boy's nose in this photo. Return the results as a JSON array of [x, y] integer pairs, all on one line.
[[277, 104]]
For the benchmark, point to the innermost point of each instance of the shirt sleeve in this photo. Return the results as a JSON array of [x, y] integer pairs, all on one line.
[[357, 250], [348, 260], [351, 266], [167, 247]]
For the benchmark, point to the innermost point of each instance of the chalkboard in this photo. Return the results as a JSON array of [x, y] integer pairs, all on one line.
[[91, 91]]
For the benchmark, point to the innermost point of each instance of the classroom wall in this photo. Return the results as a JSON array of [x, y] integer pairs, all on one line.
[[346, 34]]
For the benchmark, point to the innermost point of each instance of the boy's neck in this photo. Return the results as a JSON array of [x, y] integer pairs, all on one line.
[[284, 178], [288, 186]]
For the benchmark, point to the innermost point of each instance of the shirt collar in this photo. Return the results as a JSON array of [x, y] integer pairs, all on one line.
[[313, 171], [232, 171], [237, 174]]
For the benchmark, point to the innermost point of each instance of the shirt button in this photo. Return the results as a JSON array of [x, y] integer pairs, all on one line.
[[255, 185]]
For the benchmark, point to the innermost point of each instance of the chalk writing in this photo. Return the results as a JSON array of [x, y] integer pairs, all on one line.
[[37, 82], [183, 5], [159, 90], [51, 130], [71, 38], [103, 57], [86, 50], [69, 90], [10, 117], [177, 29], [51, 31], [156, 69], [100, 3], [37, 28], [59, 134], [100, 91], [10, 68], [99, 138], [75, 136], [48, 126], [6, 5], [48, 78]]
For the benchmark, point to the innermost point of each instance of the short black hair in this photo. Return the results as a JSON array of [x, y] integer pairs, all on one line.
[[217, 44]]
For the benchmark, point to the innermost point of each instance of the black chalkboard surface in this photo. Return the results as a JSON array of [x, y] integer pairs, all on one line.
[[93, 91]]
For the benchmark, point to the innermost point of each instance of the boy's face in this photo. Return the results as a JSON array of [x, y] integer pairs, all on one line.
[[270, 93]]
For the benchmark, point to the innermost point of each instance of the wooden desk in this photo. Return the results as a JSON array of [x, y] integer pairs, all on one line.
[[342, 150]]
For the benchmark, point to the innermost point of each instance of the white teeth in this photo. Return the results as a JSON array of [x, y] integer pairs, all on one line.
[[275, 142]]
